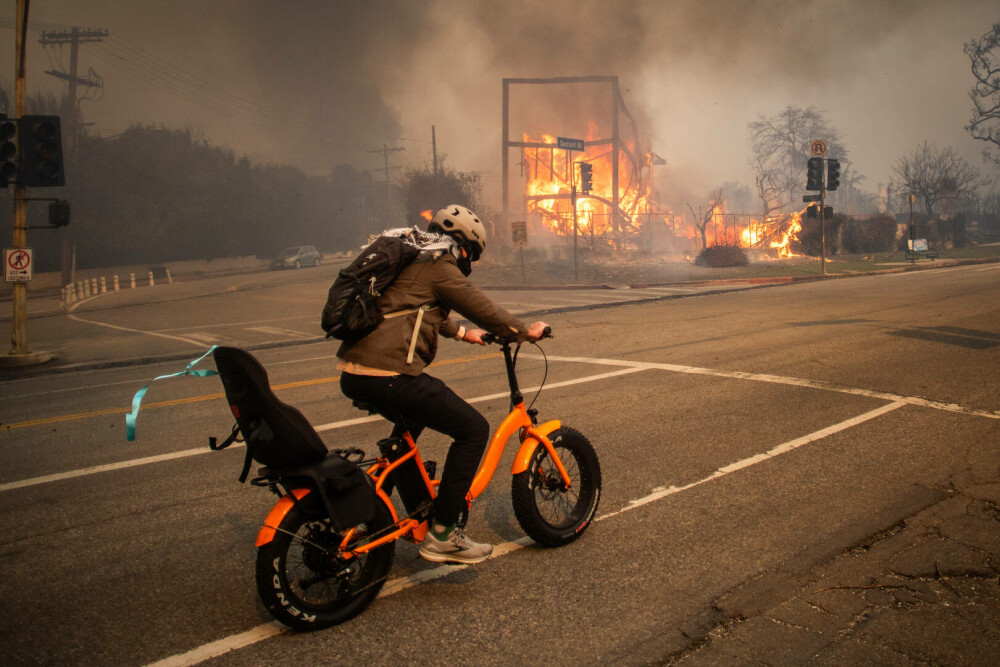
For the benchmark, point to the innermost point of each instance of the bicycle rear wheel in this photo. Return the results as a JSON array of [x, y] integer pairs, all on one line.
[[303, 581], [551, 514]]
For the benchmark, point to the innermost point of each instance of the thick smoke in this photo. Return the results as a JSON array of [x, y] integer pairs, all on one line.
[[327, 82]]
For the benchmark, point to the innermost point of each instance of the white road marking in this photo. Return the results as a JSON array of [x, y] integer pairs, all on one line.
[[208, 651], [261, 632], [206, 338], [783, 448], [107, 467], [779, 379], [277, 331], [189, 341]]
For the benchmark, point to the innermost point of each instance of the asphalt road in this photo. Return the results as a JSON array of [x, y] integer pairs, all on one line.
[[738, 432]]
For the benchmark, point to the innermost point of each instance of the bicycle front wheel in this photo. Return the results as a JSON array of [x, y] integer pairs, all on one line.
[[304, 581], [550, 513]]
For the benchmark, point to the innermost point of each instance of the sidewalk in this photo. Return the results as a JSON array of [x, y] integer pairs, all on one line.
[[925, 591]]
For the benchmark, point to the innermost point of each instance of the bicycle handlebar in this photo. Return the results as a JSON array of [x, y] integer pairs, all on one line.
[[490, 338]]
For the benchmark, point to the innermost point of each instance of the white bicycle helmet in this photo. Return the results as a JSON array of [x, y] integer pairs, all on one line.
[[462, 223]]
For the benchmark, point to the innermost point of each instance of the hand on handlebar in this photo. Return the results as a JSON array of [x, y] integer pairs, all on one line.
[[476, 336], [536, 331], [539, 330]]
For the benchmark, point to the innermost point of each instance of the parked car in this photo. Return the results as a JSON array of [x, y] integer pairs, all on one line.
[[296, 257]]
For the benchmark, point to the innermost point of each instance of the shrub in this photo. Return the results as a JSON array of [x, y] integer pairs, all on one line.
[[876, 234], [811, 236], [722, 255]]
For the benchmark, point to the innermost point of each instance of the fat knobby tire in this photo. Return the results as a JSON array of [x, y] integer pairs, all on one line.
[[301, 581], [548, 513]]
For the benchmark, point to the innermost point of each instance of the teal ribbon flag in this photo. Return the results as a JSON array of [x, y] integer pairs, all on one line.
[[137, 399]]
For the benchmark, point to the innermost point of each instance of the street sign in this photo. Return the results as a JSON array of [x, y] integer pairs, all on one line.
[[818, 148], [569, 144], [17, 265], [519, 233], [808, 198]]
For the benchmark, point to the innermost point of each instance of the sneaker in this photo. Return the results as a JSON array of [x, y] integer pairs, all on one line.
[[456, 548]]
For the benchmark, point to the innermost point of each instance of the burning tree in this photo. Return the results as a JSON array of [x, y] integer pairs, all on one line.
[[771, 236]]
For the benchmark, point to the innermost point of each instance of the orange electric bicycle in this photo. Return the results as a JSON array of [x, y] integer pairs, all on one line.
[[326, 547]]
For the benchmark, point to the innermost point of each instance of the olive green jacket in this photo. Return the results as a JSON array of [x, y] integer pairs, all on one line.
[[424, 295]]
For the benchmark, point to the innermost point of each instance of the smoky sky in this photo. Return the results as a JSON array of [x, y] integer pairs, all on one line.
[[319, 83]]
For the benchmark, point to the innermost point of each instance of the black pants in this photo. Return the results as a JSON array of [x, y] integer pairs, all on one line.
[[413, 402]]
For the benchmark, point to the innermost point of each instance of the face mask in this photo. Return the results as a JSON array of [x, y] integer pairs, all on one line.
[[465, 265]]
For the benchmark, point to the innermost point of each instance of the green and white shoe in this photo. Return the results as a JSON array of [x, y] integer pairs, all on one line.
[[453, 546]]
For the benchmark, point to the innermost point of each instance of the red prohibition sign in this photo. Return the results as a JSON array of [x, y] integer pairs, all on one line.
[[818, 148], [19, 260]]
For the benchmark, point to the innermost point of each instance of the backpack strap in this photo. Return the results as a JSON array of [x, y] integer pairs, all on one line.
[[416, 326], [213, 443]]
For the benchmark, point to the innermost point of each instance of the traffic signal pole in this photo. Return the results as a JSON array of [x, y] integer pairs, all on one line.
[[576, 278], [822, 228], [19, 354], [19, 329]]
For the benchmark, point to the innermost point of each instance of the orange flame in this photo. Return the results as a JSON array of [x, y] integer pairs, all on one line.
[[427, 215], [551, 174], [773, 233]]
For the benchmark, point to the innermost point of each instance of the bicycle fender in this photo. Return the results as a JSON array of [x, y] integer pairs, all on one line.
[[523, 457], [277, 515]]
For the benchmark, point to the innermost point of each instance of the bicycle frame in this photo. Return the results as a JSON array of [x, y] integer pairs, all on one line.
[[520, 420]]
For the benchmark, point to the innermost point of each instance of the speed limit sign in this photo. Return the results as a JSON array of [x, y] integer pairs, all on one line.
[[818, 148]]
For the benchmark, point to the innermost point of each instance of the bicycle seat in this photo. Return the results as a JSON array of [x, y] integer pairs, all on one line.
[[277, 434]]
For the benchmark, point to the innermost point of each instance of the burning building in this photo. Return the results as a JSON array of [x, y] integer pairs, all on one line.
[[618, 209], [613, 210]]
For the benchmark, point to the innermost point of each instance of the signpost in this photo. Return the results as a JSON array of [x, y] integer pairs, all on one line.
[[17, 264], [519, 236], [817, 148], [569, 144]]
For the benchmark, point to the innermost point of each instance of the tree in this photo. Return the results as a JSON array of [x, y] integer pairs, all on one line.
[[931, 175], [984, 124], [780, 149], [701, 221], [426, 190]]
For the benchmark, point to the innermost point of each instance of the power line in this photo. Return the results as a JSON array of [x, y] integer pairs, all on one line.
[[159, 74]]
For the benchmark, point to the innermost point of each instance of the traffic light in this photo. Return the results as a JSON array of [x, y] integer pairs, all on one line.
[[40, 145], [813, 212], [586, 177], [814, 173], [59, 213], [8, 151], [832, 174]]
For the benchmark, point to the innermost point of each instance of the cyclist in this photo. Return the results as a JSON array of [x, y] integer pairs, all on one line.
[[385, 369]]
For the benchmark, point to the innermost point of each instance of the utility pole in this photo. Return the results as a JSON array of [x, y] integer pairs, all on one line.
[[385, 151], [434, 149], [19, 330], [74, 38], [19, 354]]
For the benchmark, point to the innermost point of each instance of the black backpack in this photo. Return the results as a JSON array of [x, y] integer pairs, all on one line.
[[352, 308]]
